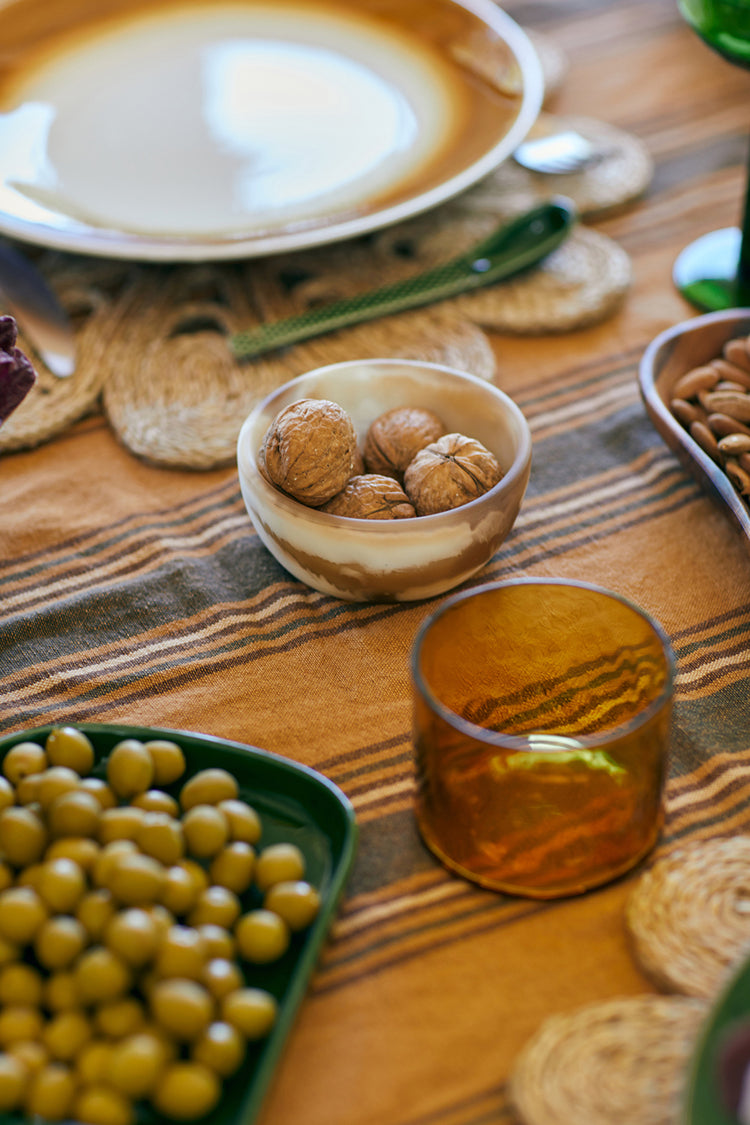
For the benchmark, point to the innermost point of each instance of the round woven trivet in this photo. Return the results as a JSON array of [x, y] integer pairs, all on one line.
[[579, 284], [85, 288], [689, 915], [174, 394], [621, 1062], [620, 175]]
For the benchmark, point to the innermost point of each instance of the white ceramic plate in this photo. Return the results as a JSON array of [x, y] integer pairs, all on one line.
[[193, 130]]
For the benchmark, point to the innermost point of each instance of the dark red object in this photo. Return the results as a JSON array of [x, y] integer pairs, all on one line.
[[732, 1067], [17, 376]]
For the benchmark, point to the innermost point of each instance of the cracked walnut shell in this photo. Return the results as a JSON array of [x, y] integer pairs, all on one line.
[[448, 473], [371, 496], [309, 450], [396, 436]]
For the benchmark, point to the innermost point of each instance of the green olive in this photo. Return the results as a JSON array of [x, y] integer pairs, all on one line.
[[233, 866], [101, 975], [22, 913], [61, 886], [168, 760], [297, 902], [23, 836], [20, 985], [262, 936], [121, 1017], [182, 953], [99, 789], [50, 1092], [101, 1105], [120, 823], [66, 1033], [130, 768], [221, 1048], [20, 1023], [182, 1007], [68, 746], [206, 830], [160, 836], [244, 822], [81, 849], [59, 941], [208, 787], [137, 1063], [221, 976], [93, 1062], [156, 800], [54, 782], [279, 863], [219, 942], [95, 910], [133, 935], [7, 795], [217, 906], [179, 890], [14, 1077], [23, 759], [252, 1011], [74, 814], [60, 992], [186, 1091], [136, 880]]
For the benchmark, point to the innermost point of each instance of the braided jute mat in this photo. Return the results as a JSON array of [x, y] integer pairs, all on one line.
[[689, 915], [151, 339], [621, 1062]]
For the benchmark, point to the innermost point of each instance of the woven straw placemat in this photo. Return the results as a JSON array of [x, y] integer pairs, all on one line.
[[621, 1062], [689, 915]]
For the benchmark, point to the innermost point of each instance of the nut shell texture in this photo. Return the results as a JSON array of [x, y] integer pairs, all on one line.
[[396, 436], [448, 473], [371, 497], [309, 450]]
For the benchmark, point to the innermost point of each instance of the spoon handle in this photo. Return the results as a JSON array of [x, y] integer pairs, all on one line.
[[516, 246]]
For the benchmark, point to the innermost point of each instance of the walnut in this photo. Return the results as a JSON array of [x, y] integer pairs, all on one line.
[[309, 450], [371, 496], [448, 473], [394, 438]]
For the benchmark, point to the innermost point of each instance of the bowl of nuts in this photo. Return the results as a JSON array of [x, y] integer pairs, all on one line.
[[384, 479], [695, 383]]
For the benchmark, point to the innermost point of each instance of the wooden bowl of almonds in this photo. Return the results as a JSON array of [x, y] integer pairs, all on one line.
[[384, 479], [695, 383]]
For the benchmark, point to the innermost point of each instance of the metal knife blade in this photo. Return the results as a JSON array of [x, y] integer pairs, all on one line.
[[25, 294]]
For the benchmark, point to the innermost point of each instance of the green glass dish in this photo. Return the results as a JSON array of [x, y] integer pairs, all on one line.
[[703, 1103], [296, 804]]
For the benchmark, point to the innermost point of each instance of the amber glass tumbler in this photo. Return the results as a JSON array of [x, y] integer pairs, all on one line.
[[542, 711]]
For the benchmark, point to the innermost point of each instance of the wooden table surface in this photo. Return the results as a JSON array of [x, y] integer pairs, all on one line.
[[135, 594]]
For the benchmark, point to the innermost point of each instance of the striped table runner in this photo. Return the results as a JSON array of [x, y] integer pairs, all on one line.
[[139, 595]]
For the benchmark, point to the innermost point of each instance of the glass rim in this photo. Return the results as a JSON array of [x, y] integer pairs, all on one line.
[[519, 742]]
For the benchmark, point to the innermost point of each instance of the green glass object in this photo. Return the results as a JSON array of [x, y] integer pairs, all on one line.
[[714, 271], [296, 804]]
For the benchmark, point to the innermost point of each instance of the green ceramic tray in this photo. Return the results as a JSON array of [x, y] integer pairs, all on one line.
[[703, 1103], [295, 804]]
